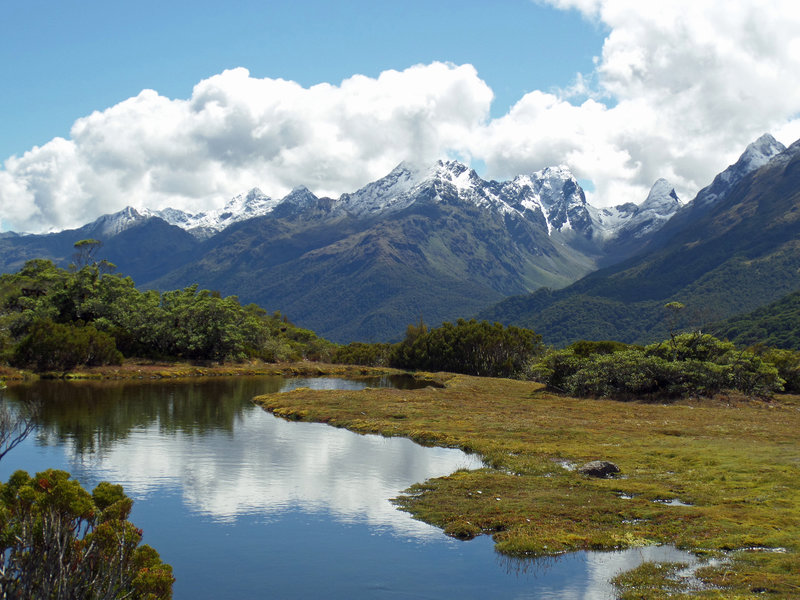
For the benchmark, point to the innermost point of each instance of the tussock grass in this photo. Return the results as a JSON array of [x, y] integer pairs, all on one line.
[[143, 369], [735, 461]]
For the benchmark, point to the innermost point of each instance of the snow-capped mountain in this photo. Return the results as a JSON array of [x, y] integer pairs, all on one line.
[[205, 224], [435, 240], [113, 224], [755, 156], [637, 221], [551, 198]]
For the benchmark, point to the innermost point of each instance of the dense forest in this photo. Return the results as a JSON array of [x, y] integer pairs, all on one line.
[[53, 319], [776, 325]]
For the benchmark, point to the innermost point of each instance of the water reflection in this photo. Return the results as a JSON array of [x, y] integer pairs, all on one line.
[[245, 505], [227, 457], [599, 569]]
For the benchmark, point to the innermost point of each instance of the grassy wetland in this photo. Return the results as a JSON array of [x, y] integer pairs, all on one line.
[[719, 477]]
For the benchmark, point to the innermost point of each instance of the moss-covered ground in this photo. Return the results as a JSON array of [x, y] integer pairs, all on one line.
[[732, 463]]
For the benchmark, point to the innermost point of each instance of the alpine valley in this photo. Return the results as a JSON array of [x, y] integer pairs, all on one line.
[[437, 242]]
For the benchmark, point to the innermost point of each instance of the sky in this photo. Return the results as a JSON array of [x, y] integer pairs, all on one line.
[[187, 104]]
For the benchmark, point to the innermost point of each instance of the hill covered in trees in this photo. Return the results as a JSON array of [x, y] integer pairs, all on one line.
[[53, 319], [777, 325]]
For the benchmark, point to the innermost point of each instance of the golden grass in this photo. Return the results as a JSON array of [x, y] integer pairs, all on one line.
[[736, 461], [143, 369]]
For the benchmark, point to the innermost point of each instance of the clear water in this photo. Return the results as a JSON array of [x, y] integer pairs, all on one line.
[[245, 505]]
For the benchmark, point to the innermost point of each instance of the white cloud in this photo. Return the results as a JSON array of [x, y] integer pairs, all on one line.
[[678, 91], [237, 132], [686, 84]]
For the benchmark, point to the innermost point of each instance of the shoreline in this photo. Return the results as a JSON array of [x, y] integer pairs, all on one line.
[[134, 369], [717, 477]]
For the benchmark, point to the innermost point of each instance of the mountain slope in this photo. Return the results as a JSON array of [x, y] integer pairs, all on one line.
[[433, 241], [141, 246], [776, 325], [350, 276], [743, 252]]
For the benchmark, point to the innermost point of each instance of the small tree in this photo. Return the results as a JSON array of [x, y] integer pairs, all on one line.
[[58, 541], [86, 252]]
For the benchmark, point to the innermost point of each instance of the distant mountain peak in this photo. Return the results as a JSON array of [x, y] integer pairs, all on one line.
[[252, 204], [110, 225], [756, 155], [662, 196], [759, 152]]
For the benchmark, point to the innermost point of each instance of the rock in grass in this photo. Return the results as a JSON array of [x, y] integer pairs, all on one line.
[[599, 468]]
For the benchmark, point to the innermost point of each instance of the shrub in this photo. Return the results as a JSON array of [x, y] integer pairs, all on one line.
[[58, 541], [470, 347], [359, 353], [687, 365], [584, 348], [787, 362], [50, 346]]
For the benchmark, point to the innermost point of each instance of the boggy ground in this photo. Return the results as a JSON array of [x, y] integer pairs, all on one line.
[[735, 461], [145, 369]]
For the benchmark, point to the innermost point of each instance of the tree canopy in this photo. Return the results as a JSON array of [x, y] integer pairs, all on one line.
[[56, 319]]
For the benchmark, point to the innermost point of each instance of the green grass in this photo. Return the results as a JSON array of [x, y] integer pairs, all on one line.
[[736, 461]]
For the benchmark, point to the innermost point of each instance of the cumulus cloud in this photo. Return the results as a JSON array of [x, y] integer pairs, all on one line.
[[237, 132], [678, 90]]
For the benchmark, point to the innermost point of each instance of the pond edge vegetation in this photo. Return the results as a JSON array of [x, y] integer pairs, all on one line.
[[714, 476]]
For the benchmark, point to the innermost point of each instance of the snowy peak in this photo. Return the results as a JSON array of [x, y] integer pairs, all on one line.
[[299, 200], [301, 197], [115, 223], [554, 196], [458, 175], [759, 153], [408, 183], [659, 207], [205, 224], [387, 193], [252, 204], [662, 199], [632, 221], [756, 155]]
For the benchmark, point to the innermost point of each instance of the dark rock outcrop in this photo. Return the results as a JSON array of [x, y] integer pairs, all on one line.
[[599, 468]]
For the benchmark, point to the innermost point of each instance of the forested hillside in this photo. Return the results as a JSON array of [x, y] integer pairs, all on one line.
[[777, 325], [55, 319]]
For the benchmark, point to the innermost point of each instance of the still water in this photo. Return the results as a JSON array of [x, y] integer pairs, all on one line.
[[245, 505]]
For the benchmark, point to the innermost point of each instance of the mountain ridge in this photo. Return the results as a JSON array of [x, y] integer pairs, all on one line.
[[434, 241], [741, 251]]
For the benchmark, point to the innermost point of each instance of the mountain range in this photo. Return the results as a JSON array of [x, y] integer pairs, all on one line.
[[426, 241], [734, 248]]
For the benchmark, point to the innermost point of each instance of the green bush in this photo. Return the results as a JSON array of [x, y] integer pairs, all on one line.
[[470, 347], [53, 346], [787, 362], [360, 353], [686, 365], [59, 541], [584, 348]]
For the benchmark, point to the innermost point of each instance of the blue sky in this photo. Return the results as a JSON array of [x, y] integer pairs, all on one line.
[[61, 60], [333, 95]]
